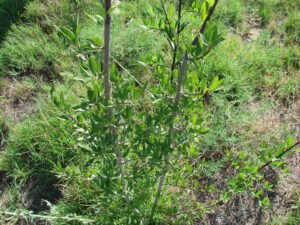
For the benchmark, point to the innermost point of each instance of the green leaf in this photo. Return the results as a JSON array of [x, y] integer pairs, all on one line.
[[96, 19], [194, 151], [95, 66], [203, 86], [280, 150], [277, 163], [62, 98], [204, 10], [200, 130], [67, 74], [265, 202], [216, 83], [86, 72], [290, 141], [68, 34], [197, 49], [225, 196], [95, 42], [195, 81], [171, 11], [258, 193], [102, 9], [196, 5], [142, 63], [183, 26]]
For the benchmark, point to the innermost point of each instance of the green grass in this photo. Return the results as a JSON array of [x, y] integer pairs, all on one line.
[[32, 152], [28, 50], [37, 143], [292, 218], [292, 27], [34, 46], [231, 13]]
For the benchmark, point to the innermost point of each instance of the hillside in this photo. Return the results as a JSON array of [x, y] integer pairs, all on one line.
[[53, 169]]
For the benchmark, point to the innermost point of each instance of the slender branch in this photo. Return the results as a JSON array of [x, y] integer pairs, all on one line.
[[106, 64], [169, 41], [202, 56], [203, 27], [170, 134], [107, 94], [177, 40], [279, 156], [180, 80], [166, 14]]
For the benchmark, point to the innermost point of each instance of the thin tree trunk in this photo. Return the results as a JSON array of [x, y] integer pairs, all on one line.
[[106, 64], [182, 73], [180, 80], [177, 39], [107, 94]]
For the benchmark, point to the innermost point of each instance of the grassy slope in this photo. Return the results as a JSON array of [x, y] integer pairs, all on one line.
[[257, 107]]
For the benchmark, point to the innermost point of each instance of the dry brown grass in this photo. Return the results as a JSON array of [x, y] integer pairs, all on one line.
[[17, 98]]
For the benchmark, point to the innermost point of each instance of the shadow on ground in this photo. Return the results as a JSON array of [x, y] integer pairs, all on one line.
[[10, 11]]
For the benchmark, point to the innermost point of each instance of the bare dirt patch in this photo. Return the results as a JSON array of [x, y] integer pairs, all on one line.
[[252, 35], [17, 98]]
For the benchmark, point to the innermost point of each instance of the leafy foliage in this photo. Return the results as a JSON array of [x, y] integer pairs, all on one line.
[[158, 125], [145, 117], [223, 77]]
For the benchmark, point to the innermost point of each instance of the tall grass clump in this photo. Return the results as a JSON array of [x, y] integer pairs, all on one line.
[[231, 13], [28, 50], [292, 27], [33, 47], [32, 150]]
